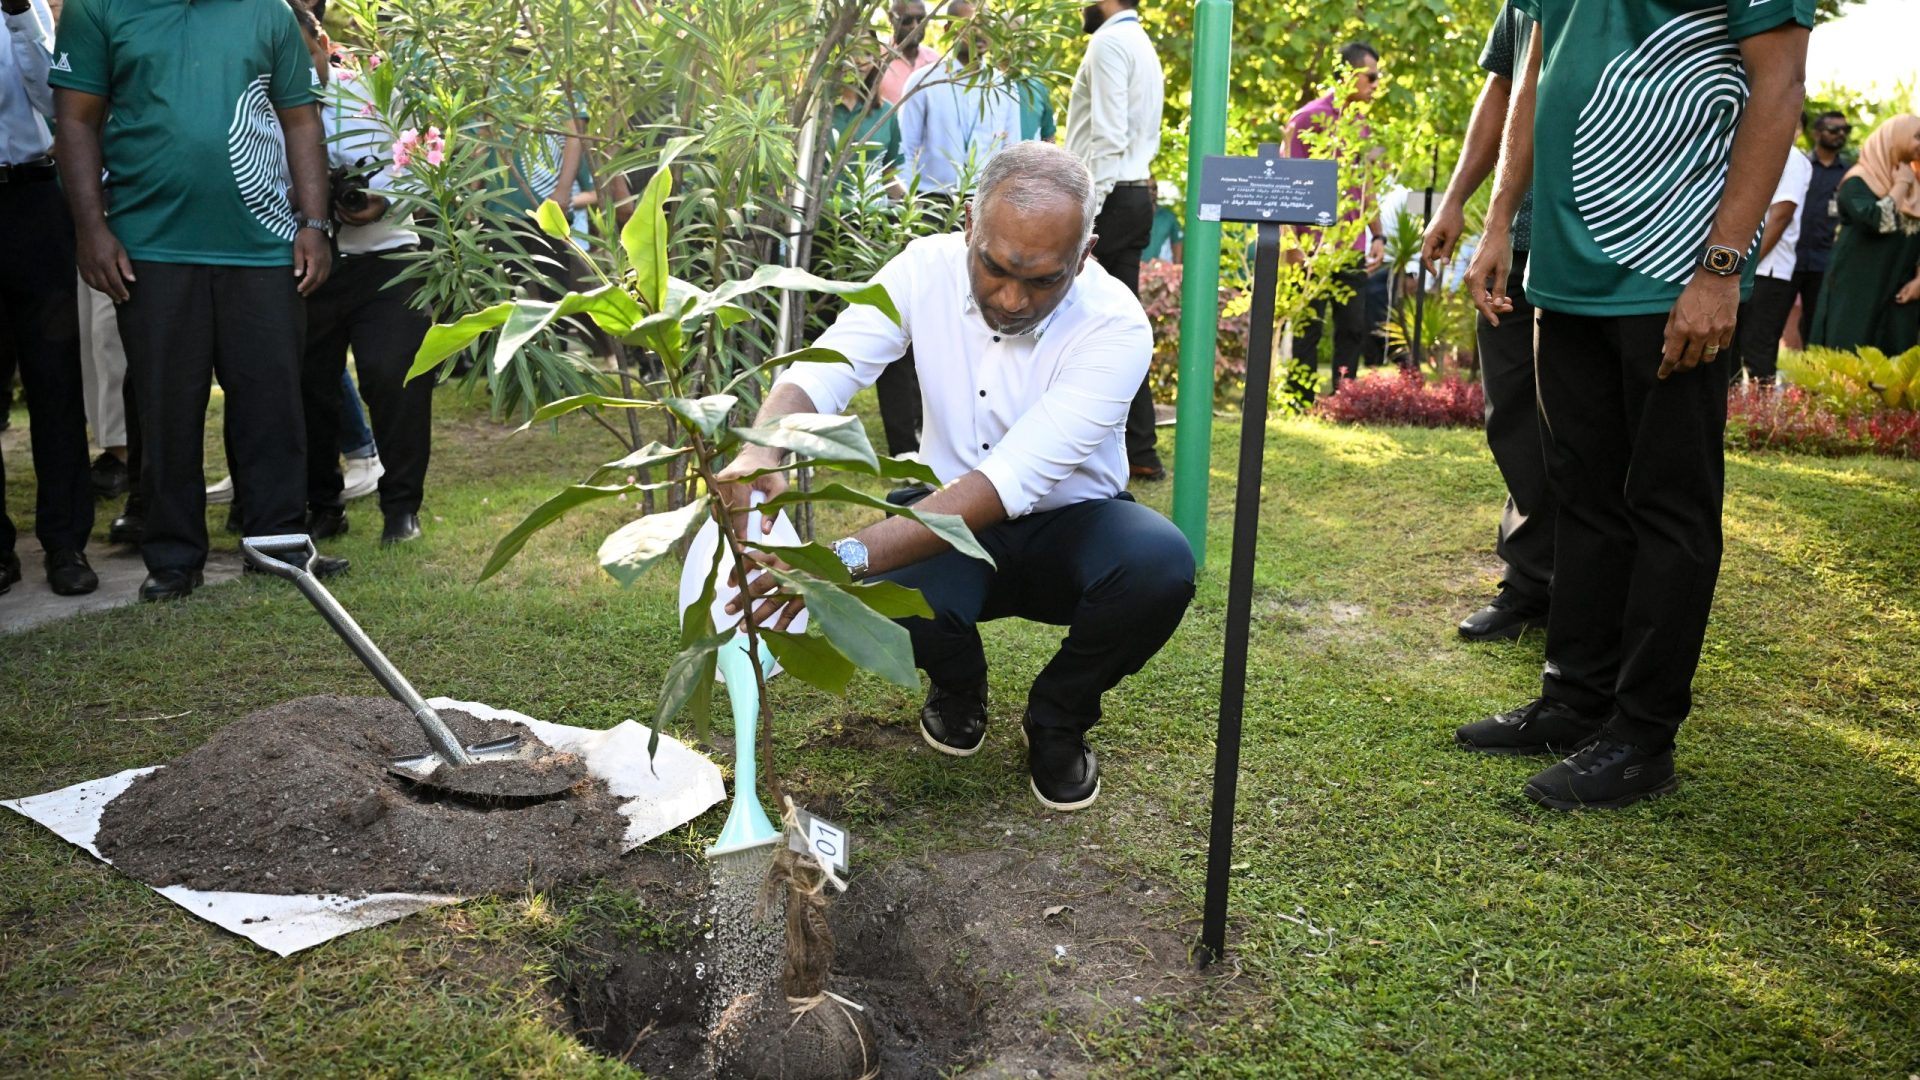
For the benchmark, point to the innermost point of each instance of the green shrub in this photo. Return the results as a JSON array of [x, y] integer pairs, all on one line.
[[1856, 383]]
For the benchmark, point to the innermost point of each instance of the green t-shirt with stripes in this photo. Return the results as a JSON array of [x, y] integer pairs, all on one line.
[[196, 162], [1633, 135]]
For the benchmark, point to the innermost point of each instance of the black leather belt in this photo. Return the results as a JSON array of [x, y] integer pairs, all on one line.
[[28, 172]]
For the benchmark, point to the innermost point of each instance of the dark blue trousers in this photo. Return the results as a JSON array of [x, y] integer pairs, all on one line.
[[1116, 574]]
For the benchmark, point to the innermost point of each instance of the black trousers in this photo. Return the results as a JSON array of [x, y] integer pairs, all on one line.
[[900, 409], [1349, 318], [1525, 541], [1806, 285], [1122, 229], [1763, 318], [41, 316], [360, 308], [1639, 466], [182, 324], [1116, 574]]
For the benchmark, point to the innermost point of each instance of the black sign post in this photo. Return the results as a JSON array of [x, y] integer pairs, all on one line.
[[1268, 191]]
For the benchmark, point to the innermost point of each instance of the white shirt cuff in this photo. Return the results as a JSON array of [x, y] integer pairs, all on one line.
[[1006, 483], [817, 384]]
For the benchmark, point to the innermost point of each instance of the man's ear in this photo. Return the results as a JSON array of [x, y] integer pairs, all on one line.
[[1086, 253], [966, 220]]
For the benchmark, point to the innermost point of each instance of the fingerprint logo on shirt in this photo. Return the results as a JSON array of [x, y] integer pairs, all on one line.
[[257, 151], [1652, 145]]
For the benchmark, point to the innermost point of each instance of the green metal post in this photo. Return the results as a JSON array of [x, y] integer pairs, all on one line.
[[1200, 276]]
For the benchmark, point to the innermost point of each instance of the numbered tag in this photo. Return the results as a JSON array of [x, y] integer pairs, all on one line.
[[821, 839]]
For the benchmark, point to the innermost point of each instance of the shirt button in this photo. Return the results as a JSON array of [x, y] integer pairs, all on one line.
[[983, 393], [984, 446], [996, 337]]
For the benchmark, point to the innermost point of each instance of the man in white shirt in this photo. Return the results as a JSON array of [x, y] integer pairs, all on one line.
[[1763, 318], [955, 114], [1113, 127], [359, 306], [1029, 355]]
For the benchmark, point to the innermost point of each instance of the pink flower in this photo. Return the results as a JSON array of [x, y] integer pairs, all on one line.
[[373, 61], [436, 146], [366, 109], [403, 149], [435, 157]]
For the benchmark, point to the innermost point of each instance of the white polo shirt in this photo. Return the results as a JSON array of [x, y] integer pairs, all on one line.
[[1792, 188], [1042, 415]]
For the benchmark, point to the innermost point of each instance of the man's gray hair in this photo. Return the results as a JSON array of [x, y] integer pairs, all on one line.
[[1038, 176]]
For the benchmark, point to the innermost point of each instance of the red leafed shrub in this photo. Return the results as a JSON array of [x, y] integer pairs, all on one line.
[[1404, 396], [1789, 418], [1160, 296]]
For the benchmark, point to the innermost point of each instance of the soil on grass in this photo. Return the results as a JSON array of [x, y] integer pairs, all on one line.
[[983, 964], [296, 799]]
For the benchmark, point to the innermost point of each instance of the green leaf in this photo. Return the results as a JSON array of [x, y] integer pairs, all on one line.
[[644, 239], [808, 355], [544, 515], [612, 309], [639, 544], [816, 559], [949, 527], [553, 220], [897, 469], [690, 672], [794, 279], [696, 622], [812, 660], [820, 436], [705, 415], [646, 457], [555, 409], [892, 599], [872, 641], [445, 339]]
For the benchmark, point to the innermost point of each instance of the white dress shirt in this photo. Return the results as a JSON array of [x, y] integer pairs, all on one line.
[[26, 101], [354, 138], [1042, 415], [1113, 114], [945, 123], [1791, 188]]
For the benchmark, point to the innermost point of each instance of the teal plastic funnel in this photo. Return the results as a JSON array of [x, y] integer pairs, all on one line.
[[747, 824]]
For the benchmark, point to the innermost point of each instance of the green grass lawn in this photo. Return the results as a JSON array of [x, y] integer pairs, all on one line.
[[1765, 919]]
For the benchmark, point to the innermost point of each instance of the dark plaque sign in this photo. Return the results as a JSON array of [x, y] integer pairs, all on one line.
[[1269, 190]]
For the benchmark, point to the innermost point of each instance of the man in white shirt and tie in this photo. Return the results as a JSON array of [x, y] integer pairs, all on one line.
[[1029, 356], [1113, 127]]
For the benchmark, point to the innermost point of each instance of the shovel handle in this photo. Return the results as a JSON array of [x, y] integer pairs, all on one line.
[[262, 551]]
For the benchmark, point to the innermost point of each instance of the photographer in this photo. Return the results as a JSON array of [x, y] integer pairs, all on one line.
[[361, 307]]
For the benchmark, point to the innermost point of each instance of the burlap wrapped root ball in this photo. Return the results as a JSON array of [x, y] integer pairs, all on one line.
[[810, 1034]]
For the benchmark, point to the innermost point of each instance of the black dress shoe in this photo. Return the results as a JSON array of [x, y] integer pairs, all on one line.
[[1063, 772], [400, 529], [131, 526], [322, 567], [68, 573], [1505, 619], [169, 585], [955, 721], [9, 571], [109, 476], [1604, 775], [236, 525], [1538, 727], [326, 522]]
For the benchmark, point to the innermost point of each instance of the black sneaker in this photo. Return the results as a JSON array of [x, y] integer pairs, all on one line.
[[69, 574], [1062, 770], [955, 721], [1604, 774], [1505, 619], [109, 475], [1538, 727]]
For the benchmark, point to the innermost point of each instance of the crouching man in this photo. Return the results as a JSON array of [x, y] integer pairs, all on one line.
[[1029, 357]]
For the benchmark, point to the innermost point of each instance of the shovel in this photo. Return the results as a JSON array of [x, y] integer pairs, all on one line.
[[448, 767]]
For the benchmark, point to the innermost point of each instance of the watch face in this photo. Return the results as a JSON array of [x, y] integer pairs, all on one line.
[[1722, 260]]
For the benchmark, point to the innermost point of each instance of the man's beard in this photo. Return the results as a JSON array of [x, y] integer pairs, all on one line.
[[1091, 17]]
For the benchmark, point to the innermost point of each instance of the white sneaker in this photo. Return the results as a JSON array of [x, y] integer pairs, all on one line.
[[363, 476], [222, 492]]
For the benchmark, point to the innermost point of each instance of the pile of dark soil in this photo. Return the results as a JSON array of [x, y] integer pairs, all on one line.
[[296, 799]]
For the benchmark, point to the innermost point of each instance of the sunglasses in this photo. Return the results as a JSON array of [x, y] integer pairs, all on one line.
[[1837, 129]]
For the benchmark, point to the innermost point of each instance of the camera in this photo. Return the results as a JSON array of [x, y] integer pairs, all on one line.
[[349, 185]]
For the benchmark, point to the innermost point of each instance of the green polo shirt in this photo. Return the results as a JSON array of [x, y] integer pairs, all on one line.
[[195, 158], [1637, 105]]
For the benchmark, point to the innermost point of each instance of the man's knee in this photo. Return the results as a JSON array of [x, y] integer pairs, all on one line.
[[1153, 575]]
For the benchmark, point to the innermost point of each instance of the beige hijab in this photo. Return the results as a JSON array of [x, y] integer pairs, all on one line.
[[1880, 165]]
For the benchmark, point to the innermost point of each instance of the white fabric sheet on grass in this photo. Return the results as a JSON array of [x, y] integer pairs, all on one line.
[[680, 786]]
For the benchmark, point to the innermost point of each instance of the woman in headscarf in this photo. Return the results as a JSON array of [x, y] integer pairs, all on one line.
[[1872, 292]]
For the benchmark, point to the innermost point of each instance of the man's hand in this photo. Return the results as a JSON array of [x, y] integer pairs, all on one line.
[[736, 492], [103, 262], [1908, 293], [1443, 236], [1487, 275], [763, 589], [312, 259], [375, 209], [1701, 323]]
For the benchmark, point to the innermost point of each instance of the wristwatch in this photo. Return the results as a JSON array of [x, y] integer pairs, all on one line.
[[853, 554], [1722, 260], [325, 225]]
